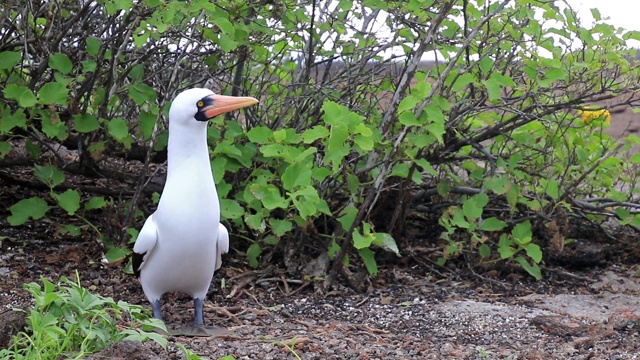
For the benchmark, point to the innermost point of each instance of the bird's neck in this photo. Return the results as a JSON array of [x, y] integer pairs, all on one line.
[[188, 151]]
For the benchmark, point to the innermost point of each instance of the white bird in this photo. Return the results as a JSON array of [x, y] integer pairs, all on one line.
[[180, 245]]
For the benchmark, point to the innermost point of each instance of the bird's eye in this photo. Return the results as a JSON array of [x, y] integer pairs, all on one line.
[[200, 103]]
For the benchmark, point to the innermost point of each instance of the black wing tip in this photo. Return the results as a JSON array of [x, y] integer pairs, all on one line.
[[136, 262]]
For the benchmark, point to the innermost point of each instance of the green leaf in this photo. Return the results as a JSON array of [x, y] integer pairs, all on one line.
[[280, 135], [436, 128], [554, 74], [255, 222], [333, 249], [551, 188], [273, 199], [33, 149], [297, 175], [493, 89], [277, 151], [10, 121], [492, 224], [348, 216], [97, 202], [85, 123], [147, 123], [400, 169], [34, 207], [5, 148], [462, 81], [499, 185], [271, 240], [118, 129], [473, 207], [93, 46], [22, 94], [9, 59], [443, 188], [49, 174], [53, 93], [426, 166], [362, 241], [260, 135], [226, 43], [502, 79], [408, 118], [225, 25], [505, 247], [506, 252], [485, 64], [230, 209], [89, 66], [52, 126], [253, 252], [116, 254], [228, 148], [68, 200], [386, 241], [522, 233], [369, 261], [280, 227], [408, 103], [71, 229], [434, 113], [308, 202], [332, 112], [269, 195], [532, 269], [61, 63], [337, 145], [484, 250], [534, 252], [315, 133], [141, 93], [364, 142]]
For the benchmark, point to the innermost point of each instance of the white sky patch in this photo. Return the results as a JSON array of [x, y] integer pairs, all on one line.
[[621, 13]]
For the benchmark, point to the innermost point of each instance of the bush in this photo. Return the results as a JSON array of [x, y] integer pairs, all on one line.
[[355, 133]]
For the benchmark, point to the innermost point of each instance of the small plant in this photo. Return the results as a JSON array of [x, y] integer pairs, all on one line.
[[188, 353], [68, 321], [290, 345]]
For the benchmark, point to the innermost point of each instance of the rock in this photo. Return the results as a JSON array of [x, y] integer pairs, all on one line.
[[587, 307], [127, 350], [559, 325], [11, 323]]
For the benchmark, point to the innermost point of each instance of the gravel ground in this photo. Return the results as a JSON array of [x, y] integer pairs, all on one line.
[[406, 314]]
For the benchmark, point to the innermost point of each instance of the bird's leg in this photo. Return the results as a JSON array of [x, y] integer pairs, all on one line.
[[198, 320], [198, 328], [157, 310]]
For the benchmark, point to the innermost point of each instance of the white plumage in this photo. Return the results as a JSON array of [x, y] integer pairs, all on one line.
[[181, 243]]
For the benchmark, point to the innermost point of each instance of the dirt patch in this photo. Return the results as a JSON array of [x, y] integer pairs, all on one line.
[[407, 313]]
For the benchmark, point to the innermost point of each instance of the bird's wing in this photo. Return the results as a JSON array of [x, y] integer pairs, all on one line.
[[222, 245], [145, 243]]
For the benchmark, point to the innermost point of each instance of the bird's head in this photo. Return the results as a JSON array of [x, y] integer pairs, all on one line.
[[201, 105]]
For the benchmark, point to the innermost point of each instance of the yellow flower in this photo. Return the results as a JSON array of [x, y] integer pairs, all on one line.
[[588, 115]]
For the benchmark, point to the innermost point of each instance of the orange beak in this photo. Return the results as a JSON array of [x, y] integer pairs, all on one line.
[[214, 105]]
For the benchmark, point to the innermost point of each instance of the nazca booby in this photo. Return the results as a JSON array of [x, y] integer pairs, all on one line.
[[180, 245]]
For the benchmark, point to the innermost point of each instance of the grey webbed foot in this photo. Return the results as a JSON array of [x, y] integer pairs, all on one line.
[[202, 331]]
